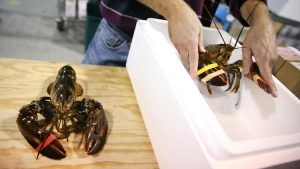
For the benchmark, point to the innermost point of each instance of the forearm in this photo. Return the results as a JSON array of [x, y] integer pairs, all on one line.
[[260, 15]]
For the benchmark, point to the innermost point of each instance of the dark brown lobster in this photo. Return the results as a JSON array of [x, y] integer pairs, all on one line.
[[214, 70], [46, 120]]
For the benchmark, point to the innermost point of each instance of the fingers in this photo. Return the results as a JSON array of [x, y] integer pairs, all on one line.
[[266, 74], [189, 53], [247, 60], [189, 58], [194, 55], [184, 54], [185, 30], [274, 58], [264, 66], [201, 43], [193, 60]]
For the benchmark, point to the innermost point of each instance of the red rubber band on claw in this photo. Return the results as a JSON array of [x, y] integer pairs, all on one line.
[[48, 140]]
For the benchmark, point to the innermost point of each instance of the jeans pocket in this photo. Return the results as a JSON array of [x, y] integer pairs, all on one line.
[[111, 38]]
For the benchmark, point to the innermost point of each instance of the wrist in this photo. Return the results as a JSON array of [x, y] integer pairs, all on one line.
[[176, 8], [260, 15]]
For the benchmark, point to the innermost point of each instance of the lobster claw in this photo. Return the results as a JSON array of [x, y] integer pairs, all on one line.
[[47, 145], [255, 76], [96, 132]]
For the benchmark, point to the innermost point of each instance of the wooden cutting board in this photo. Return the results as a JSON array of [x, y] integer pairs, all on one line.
[[128, 144]]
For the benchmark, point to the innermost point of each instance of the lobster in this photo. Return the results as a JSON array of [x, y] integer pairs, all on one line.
[[46, 120], [213, 69]]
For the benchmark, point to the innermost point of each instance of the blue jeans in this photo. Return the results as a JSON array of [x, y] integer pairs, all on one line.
[[107, 47]]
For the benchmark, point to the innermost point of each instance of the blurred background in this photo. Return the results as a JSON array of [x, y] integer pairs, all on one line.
[[28, 30], [60, 30]]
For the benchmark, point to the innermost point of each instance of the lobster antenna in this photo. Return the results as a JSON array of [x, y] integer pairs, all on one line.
[[214, 22], [244, 26], [65, 128]]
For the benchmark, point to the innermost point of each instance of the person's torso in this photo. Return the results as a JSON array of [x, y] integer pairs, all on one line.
[[125, 13]]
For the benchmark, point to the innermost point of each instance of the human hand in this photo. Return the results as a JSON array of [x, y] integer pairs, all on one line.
[[186, 33], [260, 42], [185, 29]]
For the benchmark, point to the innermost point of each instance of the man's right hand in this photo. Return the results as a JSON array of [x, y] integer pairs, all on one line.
[[186, 33], [185, 29]]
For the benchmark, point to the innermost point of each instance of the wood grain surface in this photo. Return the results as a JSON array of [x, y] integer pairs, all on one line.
[[128, 145]]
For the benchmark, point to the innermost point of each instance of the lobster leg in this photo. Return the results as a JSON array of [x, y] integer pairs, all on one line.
[[229, 81], [237, 82], [96, 132], [35, 132], [209, 88], [231, 78], [234, 74]]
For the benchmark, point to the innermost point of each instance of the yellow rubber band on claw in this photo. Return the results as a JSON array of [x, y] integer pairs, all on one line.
[[206, 68]]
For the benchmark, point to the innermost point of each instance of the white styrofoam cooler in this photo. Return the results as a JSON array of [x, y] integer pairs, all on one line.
[[189, 128]]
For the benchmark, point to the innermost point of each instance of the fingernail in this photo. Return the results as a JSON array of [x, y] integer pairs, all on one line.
[[202, 49], [274, 94], [245, 71], [193, 74]]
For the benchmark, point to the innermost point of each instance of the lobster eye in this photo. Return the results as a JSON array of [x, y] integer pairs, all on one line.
[[69, 101], [63, 98]]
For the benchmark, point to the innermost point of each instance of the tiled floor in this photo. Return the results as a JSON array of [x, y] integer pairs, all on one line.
[[28, 31]]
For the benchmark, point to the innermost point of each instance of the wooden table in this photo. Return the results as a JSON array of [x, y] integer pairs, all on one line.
[[128, 145]]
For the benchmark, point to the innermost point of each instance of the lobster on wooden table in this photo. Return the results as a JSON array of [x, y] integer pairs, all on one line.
[[213, 69], [46, 120]]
